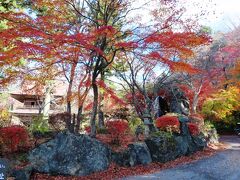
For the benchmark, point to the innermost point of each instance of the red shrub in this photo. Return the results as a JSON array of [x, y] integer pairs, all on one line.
[[166, 122], [87, 129], [197, 119], [117, 129], [13, 137], [193, 129]]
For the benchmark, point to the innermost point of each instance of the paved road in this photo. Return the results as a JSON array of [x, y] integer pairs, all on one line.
[[222, 166]]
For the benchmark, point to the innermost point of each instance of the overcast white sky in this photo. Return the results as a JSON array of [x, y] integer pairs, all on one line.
[[227, 13], [222, 13]]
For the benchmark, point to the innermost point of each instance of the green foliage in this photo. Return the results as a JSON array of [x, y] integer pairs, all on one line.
[[208, 126], [135, 122], [206, 29], [209, 131], [163, 134], [22, 157], [10, 6], [222, 104], [102, 130], [228, 124], [168, 136], [39, 124]]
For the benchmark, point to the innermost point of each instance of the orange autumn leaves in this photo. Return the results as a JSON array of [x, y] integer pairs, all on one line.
[[173, 48]]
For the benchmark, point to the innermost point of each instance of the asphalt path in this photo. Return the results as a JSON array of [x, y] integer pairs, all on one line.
[[223, 165]]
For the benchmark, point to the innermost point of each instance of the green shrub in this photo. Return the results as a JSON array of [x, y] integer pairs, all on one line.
[[134, 123], [227, 124], [209, 131], [39, 125], [164, 135], [222, 104], [168, 135], [102, 130]]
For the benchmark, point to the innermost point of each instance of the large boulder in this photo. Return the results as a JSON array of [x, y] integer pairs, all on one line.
[[184, 129], [179, 103], [141, 153], [162, 148], [137, 153], [70, 154], [200, 142], [186, 143], [165, 147], [182, 145], [124, 158]]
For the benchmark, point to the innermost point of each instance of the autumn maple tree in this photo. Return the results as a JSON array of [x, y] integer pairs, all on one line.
[[81, 40], [222, 105]]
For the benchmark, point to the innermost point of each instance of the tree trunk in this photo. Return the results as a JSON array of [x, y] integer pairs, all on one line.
[[69, 91], [47, 102], [69, 107], [73, 123], [100, 112], [94, 109], [79, 119], [194, 103], [100, 118]]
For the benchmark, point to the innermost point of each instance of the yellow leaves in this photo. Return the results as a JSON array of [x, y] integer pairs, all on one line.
[[222, 103], [4, 105], [4, 115]]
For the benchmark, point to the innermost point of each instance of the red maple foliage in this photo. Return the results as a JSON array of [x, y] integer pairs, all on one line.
[[87, 129], [165, 122], [124, 141], [117, 129], [110, 93], [13, 137], [193, 129], [116, 136], [137, 100]]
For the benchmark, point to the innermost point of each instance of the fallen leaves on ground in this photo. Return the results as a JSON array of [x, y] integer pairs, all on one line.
[[219, 146], [114, 171], [125, 141]]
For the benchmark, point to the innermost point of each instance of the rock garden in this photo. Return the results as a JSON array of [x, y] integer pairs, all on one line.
[[77, 155]]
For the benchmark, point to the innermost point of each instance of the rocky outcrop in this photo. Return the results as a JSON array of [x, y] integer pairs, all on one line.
[[162, 148], [186, 143], [135, 154], [70, 154], [78, 155], [141, 153]]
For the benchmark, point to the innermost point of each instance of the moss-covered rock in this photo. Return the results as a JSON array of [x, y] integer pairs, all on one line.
[[162, 147]]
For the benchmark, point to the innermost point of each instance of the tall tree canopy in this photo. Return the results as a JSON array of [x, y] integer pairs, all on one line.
[[82, 39]]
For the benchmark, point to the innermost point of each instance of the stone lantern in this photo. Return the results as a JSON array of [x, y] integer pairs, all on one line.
[[147, 122]]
